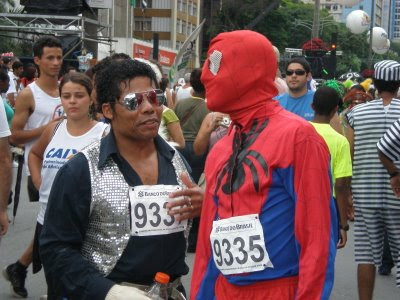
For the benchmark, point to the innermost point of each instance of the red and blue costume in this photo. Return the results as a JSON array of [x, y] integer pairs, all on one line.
[[271, 163]]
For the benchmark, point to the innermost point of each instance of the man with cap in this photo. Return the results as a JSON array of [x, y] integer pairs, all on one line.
[[268, 227], [376, 208]]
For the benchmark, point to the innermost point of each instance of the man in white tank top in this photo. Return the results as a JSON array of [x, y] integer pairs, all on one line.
[[36, 106]]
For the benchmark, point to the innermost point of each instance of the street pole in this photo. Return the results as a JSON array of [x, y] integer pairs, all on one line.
[[370, 35], [315, 26]]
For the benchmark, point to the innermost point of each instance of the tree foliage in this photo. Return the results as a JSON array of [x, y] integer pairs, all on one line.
[[282, 27]]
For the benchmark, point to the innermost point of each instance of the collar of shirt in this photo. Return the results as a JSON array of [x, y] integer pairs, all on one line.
[[108, 147]]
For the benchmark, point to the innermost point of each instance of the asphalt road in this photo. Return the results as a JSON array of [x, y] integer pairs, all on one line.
[[21, 232]]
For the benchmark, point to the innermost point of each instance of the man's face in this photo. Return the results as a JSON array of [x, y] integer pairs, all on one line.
[[4, 85], [50, 62], [140, 124], [18, 72], [31, 72], [296, 77]]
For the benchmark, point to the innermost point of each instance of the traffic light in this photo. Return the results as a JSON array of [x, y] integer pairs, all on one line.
[[334, 43], [333, 53]]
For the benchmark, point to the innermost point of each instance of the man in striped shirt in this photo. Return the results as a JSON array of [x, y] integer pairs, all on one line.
[[389, 153], [376, 208]]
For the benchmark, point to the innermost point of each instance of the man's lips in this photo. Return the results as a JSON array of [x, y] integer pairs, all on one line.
[[150, 122]]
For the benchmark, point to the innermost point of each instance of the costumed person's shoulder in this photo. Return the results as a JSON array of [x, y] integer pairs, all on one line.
[[219, 153], [292, 128], [289, 118]]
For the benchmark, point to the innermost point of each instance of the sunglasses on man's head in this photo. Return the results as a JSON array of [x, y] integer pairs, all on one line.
[[297, 72], [133, 100]]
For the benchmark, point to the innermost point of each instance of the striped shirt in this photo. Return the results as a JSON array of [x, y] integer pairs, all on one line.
[[389, 144], [371, 183]]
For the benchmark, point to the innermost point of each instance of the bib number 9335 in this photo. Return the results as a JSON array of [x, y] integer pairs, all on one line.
[[238, 245]]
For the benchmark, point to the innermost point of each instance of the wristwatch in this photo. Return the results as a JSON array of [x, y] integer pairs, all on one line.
[[345, 227], [395, 173]]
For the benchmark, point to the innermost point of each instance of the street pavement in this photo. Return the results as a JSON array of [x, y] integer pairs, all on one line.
[[21, 232]]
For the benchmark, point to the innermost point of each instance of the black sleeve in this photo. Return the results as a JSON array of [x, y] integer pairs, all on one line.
[[63, 232]]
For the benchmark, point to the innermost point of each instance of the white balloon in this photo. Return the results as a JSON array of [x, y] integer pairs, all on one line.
[[379, 37], [382, 50], [358, 21]]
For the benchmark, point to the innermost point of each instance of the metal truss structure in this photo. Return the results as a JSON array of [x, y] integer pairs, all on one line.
[[59, 26]]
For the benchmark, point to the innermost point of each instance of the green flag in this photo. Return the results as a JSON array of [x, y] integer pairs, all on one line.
[[133, 3]]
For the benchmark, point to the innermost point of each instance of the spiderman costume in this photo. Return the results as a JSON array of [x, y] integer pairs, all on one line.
[[268, 225]]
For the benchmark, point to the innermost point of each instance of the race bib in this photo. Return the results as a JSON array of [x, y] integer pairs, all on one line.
[[148, 210], [238, 245]]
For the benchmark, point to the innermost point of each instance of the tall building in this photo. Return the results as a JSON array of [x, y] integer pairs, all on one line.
[[394, 24], [339, 9], [334, 7], [366, 5], [172, 20]]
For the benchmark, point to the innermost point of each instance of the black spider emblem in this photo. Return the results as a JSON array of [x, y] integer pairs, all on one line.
[[240, 158]]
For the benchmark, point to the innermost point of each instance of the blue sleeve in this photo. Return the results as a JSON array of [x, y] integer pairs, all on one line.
[[63, 232], [282, 99]]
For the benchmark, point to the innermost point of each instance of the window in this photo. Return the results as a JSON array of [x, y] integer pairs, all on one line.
[[190, 8], [184, 27], [179, 26], [179, 6], [194, 9], [143, 24], [184, 6], [334, 7]]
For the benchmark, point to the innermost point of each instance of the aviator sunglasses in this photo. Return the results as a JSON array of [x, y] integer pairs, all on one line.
[[133, 100], [297, 72]]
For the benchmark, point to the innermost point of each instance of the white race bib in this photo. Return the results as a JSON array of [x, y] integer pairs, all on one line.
[[149, 215], [238, 245]]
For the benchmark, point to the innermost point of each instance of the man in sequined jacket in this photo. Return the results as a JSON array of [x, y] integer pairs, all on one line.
[[268, 224], [107, 231]]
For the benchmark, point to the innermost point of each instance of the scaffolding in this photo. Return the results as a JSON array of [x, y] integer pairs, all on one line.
[[78, 26]]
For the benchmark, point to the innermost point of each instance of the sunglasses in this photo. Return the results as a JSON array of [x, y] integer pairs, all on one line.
[[133, 100], [297, 72]]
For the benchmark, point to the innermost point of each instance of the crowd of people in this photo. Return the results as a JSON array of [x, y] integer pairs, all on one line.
[[256, 173]]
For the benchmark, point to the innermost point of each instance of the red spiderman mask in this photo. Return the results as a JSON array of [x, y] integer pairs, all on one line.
[[239, 75]]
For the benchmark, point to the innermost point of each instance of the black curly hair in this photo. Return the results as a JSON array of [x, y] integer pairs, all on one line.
[[109, 79], [45, 41], [107, 60]]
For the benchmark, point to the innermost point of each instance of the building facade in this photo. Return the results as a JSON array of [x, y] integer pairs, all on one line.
[[366, 5], [172, 20], [336, 8], [394, 21]]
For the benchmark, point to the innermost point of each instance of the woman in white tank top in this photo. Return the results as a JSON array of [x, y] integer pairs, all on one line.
[[61, 140]]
